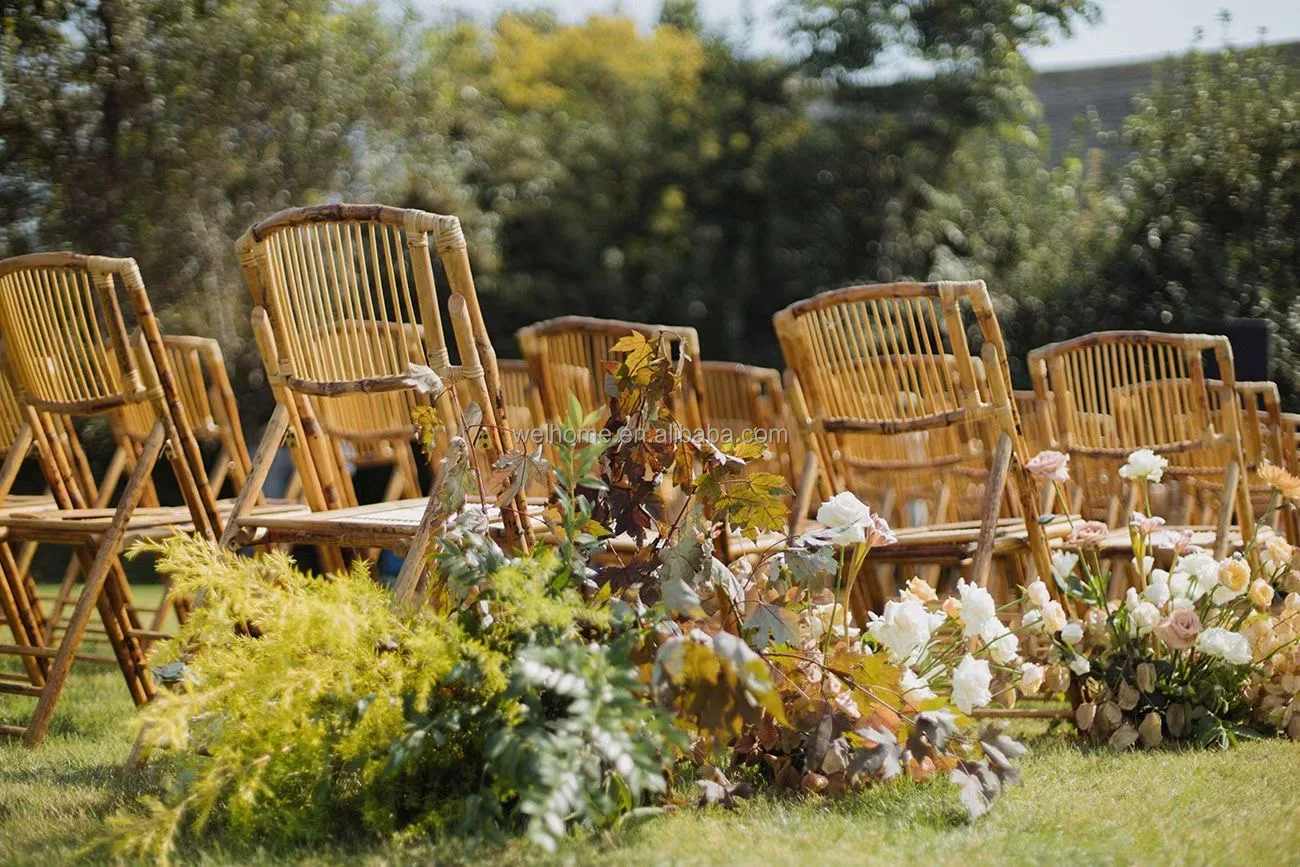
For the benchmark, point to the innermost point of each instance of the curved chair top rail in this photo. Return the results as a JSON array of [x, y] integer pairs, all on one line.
[[67, 259], [615, 328], [445, 228], [1194, 342], [880, 291], [760, 374]]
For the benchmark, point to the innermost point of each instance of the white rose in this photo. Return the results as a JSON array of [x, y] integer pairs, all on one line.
[[845, 519], [1145, 566], [1032, 620], [1072, 634], [977, 607], [1231, 647], [1080, 665], [1038, 594], [1003, 645], [1031, 678], [1157, 592], [1063, 563], [1222, 595], [1053, 617], [970, 684], [915, 687], [904, 629], [1144, 617], [1180, 602], [1144, 464], [1200, 573]]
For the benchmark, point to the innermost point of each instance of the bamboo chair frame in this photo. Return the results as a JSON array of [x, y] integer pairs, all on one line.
[[739, 398], [1117, 391], [523, 402], [337, 292], [1260, 407], [566, 355], [69, 355], [209, 403], [857, 352]]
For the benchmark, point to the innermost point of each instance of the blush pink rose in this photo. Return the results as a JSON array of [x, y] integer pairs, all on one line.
[[1089, 534], [1179, 629], [1050, 466]]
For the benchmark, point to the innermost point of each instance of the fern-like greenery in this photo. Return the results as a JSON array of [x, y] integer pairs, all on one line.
[[302, 705]]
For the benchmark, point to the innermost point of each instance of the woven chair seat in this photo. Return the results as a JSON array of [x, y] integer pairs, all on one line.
[[46, 523], [954, 544], [1120, 544]]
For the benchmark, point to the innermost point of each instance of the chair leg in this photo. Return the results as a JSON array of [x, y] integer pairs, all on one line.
[[251, 491], [19, 610], [803, 497], [992, 508], [1234, 492], [98, 572]]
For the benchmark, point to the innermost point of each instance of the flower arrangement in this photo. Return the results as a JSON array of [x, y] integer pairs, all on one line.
[[855, 700], [1198, 648]]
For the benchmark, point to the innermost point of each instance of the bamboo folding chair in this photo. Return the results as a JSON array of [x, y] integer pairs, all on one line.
[[566, 356], [346, 307], [1199, 489], [523, 405], [209, 404], [892, 360], [741, 400], [69, 355], [1118, 391]]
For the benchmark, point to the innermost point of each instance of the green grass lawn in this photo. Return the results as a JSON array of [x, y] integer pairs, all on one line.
[[1076, 805]]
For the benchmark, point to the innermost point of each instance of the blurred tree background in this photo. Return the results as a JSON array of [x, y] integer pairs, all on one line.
[[669, 175]]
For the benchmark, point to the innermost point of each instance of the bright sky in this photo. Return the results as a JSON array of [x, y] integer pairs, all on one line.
[[1129, 29]]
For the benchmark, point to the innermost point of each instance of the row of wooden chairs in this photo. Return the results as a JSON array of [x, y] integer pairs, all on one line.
[[902, 390]]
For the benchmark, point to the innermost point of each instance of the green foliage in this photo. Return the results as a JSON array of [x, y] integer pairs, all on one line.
[[588, 746], [308, 708], [969, 38]]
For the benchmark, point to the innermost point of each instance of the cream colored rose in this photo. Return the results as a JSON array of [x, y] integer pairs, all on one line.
[[1050, 466], [1089, 534], [1234, 574], [921, 590], [1277, 551], [1054, 619], [952, 607], [1261, 593]]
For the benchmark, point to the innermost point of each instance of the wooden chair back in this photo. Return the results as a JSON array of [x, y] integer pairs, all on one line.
[[69, 354], [883, 360], [1117, 391], [741, 400], [567, 356], [346, 305], [892, 360], [207, 400]]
